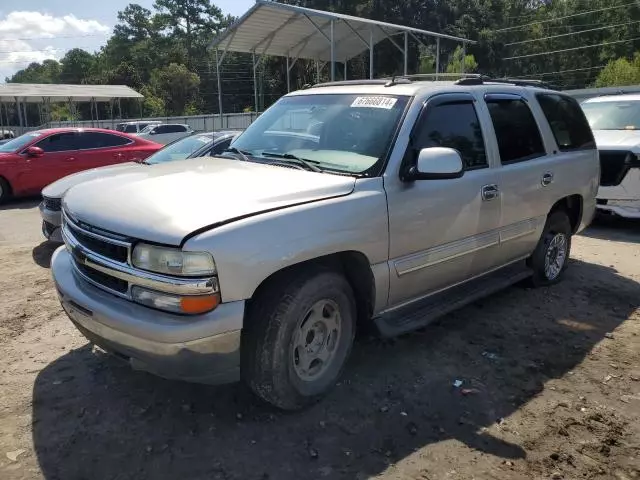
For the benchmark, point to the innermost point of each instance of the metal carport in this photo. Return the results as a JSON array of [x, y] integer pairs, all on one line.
[[271, 28], [45, 94]]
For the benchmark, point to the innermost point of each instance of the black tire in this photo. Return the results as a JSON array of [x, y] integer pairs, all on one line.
[[5, 191], [557, 224], [268, 355]]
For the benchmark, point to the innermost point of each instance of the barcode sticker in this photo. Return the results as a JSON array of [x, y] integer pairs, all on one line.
[[374, 102]]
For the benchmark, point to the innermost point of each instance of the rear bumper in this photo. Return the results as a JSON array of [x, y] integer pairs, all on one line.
[[203, 348], [51, 223]]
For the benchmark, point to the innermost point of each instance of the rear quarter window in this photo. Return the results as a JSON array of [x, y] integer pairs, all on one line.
[[567, 121]]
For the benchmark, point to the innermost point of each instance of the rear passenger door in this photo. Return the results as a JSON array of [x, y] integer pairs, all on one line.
[[527, 173], [98, 149]]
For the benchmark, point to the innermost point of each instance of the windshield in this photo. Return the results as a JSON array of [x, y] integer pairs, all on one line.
[[613, 115], [337, 132], [19, 142], [129, 129], [147, 129], [180, 149]]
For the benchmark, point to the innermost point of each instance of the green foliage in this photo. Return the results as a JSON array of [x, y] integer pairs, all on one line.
[[456, 62], [620, 72], [177, 85]]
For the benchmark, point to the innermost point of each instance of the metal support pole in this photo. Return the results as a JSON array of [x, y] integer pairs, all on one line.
[[19, 108], [219, 87], [345, 69], [333, 51], [255, 82], [97, 113], [1, 123], [26, 119], [140, 107], [437, 57], [371, 54], [119, 109], [464, 54], [317, 71], [288, 75], [406, 53]]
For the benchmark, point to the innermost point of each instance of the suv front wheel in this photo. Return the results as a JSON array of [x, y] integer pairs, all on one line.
[[298, 336]]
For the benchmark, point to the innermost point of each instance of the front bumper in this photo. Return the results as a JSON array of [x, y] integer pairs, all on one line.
[[51, 223], [203, 348], [621, 208]]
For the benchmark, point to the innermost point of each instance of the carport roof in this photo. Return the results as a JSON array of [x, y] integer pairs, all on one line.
[[273, 28], [40, 92]]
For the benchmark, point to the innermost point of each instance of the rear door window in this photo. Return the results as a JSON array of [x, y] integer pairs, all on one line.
[[516, 129], [91, 140], [567, 121]]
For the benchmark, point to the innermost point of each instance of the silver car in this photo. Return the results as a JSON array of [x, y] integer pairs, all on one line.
[[198, 145], [383, 202]]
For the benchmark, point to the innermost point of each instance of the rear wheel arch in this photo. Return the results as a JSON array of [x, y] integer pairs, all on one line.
[[572, 205]]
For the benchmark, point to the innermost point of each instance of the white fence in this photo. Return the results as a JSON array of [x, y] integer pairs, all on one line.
[[200, 123]]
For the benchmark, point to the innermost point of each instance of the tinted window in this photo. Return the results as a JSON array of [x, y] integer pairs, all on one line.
[[567, 121], [90, 140], [60, 142], [220, 147], [130, 129], [454, 125], [170, 129], [516, 130]]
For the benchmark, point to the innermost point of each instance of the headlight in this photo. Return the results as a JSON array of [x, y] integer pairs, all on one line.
[[183, 304], [172, 261]]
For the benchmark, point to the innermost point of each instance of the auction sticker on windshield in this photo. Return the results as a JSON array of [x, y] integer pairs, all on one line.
[[374, 102]]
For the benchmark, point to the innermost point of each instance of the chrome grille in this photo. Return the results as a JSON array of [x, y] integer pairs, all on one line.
[[53, 204], [101, 245]]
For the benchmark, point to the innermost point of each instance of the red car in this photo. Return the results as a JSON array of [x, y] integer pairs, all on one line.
[[34, 160]]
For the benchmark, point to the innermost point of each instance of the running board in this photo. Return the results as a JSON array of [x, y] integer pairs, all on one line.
[[422, 312]]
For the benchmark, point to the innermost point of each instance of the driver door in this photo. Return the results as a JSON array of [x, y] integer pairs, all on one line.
[[443, 232]]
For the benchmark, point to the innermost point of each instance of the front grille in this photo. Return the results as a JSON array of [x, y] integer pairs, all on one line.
[[101, 247], [614, 165], [53, 204], [103, 279]]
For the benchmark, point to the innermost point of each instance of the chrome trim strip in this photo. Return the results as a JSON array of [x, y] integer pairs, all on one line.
[[161, 283], [98, 285], [444, 253], [451, 251], [105, 239]]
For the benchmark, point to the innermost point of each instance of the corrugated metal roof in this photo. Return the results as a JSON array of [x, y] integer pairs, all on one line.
[[288, 30], [39, 92]]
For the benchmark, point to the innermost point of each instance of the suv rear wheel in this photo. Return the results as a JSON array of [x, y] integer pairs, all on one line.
[[298, 337], [551, 256]]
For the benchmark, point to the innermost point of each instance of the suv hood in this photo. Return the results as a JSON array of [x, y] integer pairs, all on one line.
[[164, 203], [617, 139], [58, 188]]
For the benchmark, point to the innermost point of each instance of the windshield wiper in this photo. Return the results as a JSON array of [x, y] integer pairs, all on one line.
[[243, 154], [291, 158]]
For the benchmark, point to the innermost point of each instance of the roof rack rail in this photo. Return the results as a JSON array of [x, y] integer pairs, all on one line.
[[387, 82], [481, 80]]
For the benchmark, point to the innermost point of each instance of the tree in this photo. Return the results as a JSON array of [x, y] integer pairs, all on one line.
[[189, 20], [455, 63], [136, 23], [177, 85], [77, 66], [620, 72]]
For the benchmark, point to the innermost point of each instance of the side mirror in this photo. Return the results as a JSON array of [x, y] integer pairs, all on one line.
[[437, 163], [34, 152]]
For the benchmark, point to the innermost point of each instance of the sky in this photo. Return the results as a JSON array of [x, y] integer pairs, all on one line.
[[34, 30]]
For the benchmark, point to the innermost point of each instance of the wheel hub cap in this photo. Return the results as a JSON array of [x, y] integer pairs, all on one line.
[[556, 256], [315, 340]]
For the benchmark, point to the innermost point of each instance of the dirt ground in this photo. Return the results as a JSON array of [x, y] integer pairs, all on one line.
[[550, 389]]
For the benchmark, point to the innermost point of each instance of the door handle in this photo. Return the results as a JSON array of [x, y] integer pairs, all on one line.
[[490, 192], [547, 179]]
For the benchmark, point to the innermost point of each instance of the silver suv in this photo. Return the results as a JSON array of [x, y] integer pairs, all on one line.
[[391, 202]]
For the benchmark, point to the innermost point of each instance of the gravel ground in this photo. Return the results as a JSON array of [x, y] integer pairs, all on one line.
[[550, 389]]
